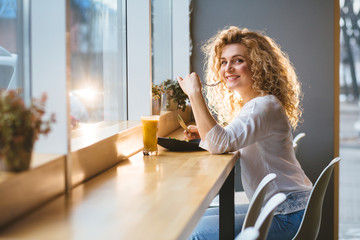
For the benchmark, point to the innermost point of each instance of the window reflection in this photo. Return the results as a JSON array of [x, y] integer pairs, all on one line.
[[8, 45], [96, 45]]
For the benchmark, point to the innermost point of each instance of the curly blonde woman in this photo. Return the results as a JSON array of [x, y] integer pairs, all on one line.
[[256, 106]]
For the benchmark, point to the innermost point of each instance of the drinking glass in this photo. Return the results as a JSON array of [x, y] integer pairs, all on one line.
[[150, 126]]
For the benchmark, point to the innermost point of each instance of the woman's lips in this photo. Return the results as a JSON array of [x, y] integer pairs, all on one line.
[[232, 77]]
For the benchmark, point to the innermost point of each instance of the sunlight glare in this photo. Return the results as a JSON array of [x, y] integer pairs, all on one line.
[[88, 94]]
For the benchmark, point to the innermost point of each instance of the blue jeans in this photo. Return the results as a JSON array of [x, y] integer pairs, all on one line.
[[283, 227]]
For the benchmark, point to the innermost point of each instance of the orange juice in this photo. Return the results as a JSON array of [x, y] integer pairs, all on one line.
[[150, 126]]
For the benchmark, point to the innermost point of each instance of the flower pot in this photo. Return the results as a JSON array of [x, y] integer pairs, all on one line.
[[20, 127], [16, 157]]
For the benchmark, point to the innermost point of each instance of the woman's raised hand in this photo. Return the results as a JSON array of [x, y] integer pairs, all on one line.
[[190, 84]]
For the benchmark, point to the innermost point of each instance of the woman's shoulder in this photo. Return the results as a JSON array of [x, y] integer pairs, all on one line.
[[265, 102], [264, 107], [267, 111], [267, 98]]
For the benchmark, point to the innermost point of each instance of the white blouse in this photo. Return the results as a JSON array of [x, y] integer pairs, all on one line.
[[262, 134]]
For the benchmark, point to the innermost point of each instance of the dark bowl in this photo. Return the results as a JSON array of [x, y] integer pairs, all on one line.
[[177, 145]]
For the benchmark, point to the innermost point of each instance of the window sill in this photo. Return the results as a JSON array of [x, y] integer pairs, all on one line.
[[22, 192]]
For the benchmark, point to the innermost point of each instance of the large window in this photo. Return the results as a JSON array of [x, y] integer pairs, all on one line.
[[92, 58], [14, 46], [8, 44], [97, 45]]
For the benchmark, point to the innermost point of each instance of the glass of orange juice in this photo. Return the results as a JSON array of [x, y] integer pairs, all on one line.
[[150, 125]]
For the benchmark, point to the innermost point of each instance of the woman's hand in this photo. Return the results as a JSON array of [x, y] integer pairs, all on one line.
[[192, 134], [190, 84]]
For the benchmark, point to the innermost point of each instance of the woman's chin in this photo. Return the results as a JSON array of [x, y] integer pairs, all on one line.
[[230, 86]]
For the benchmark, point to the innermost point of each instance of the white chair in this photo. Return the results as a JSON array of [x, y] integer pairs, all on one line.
[[310, 224], [266, 215], [263, 222], [296, 140], [256, 202], [249, 233]]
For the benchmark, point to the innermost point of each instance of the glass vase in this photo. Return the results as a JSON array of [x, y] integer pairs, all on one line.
[[156, 106]]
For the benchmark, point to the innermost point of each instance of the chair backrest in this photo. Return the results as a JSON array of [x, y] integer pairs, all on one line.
[[310, 224], [256, 201], [249, 233], [267, 213], [296, 140]]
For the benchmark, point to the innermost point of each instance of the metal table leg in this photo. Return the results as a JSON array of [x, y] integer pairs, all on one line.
[[227, 206]]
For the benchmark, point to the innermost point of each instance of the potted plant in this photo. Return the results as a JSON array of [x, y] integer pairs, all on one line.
[[20, 127], [174, 95], [157, 92]]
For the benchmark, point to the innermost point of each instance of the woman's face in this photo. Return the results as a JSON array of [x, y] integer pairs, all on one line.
[[235, 69]]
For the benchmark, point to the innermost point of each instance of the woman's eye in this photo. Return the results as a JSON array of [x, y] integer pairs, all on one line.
[[223, 62], [239, 60]]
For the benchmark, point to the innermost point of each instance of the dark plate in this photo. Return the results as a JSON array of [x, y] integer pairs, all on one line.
[[179, 145]]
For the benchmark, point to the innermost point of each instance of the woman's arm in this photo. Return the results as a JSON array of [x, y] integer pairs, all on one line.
[[192, 87]]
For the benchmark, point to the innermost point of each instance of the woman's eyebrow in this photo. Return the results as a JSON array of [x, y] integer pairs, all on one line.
[[237, 55]]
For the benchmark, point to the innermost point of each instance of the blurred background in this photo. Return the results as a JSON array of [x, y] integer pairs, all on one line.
[[349, 215]]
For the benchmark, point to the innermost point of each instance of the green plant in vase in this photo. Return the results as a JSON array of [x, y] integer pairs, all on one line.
[[20, 127], [175, 94]]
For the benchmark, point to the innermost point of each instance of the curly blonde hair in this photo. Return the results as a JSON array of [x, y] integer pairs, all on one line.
[[272, 70]]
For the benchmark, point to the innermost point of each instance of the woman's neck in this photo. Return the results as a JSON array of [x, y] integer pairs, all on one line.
[[249, 96]]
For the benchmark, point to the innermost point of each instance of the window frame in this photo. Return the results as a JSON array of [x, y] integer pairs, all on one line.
[[48, 74]]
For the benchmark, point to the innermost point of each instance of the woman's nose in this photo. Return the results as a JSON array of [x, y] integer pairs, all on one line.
[[229, 67]]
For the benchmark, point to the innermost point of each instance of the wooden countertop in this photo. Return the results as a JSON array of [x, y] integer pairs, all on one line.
[[160, 197]]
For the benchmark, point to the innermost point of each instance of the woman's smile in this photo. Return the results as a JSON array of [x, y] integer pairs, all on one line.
[[230, 78]]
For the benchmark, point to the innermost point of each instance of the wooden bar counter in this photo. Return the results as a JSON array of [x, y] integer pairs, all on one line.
[[143, 197]]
